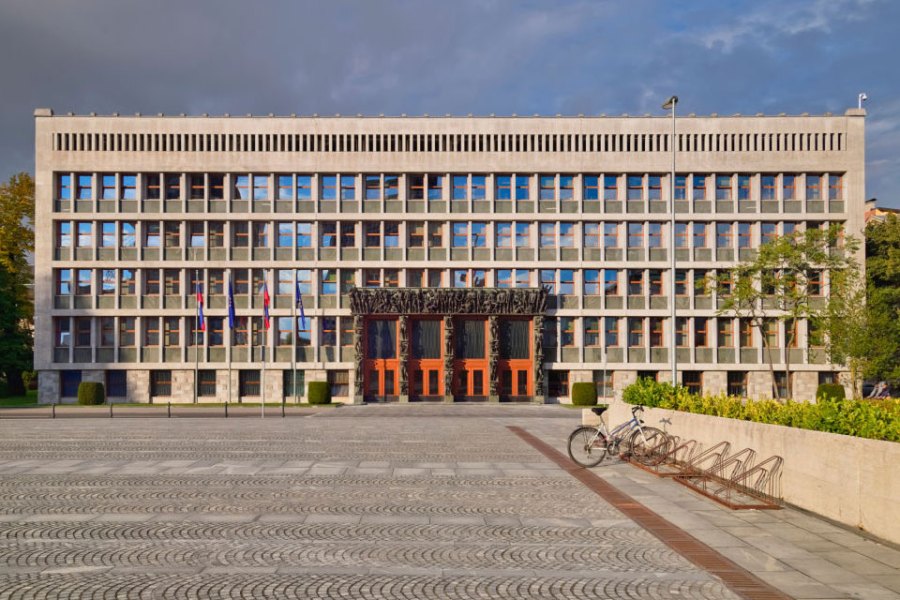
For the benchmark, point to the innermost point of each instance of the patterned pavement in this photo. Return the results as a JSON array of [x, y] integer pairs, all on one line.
[[358, 502]]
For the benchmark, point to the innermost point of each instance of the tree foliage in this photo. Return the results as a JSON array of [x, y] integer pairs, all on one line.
[[776, 285], [16, 275]]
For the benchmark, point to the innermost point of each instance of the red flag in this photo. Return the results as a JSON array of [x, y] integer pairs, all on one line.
[[265, 292]]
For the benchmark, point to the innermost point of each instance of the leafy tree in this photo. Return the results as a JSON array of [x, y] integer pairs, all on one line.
[[16, 275], [776, 284]]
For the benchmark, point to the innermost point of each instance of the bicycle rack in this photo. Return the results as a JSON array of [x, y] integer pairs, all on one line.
[[733, 480]]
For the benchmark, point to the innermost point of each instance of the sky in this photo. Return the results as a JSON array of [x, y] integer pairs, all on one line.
[[453, 56]]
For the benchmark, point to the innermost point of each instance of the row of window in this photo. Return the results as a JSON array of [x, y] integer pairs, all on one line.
[[514, 187], [565, 332], [562, 282], [421, 234]]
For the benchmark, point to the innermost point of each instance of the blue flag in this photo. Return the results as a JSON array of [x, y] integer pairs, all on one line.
[[299, 300], [231, 318]]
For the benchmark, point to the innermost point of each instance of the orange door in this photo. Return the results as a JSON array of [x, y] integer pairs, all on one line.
[[381, 365], [470, 378]]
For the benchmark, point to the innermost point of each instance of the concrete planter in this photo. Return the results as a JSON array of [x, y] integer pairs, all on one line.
[[854, 481]]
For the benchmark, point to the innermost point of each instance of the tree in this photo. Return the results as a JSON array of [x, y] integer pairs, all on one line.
[[16, 275], [778, 283]]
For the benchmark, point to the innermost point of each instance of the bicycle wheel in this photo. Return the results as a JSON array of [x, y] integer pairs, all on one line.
[[650, 446], [587, 447]]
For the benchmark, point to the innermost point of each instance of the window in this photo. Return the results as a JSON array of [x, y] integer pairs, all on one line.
[[435, 187], [611, 331], [523, 235], [654, 187], [348, 187], [107, 235], [745, 333], [460, 238], [391, 187], [107, 282], [416, 234], [566, 282], [781, 384], [635, 332], [129, 187], [196, 234], [548, 280], [700, 235], [654, 235], [285, 237], [656, 332], [372, 278], [504, 187], [743, 187], [737, 383], [835, 187], [328, 188], [656, 282], [522, 187], [83, 282], [547, 187], [566, 332], [681, 235], [69, 382], [206, 383], [248, 382], [293, 383], [62, 335], [373, 234], [692, 381], [592, 235], [635, 282], [435, 235], [699, 187], [479, 187], [116, 386], [151, 235], [723, 235], [558, 384], [372, 185], [107, 332], [84, 189], [767, 233], [151, 331], [151, 187], [260, 234], [479, 235], [64, 187], [547, 237], [126, 234], [813, 187], [566, 187], [591, 282], [681, 282], [682, 333], [610, 235], [503, 235], [814, 285], [723, 187], [328, 235], [126, 332], [416, 187], [725, 333], [197, 187], [815, 334], [604, 382], [767, 191], [172, 234], [681, 187], [348, 235], [64, 235], [611, 282], [700, 332], [391, 234], [304, 187], [610, 188], [172, 278], [635, 235], [591, 332], [744, 235], [635, 187], [460, 185], [788, 187], [63, 282], [381, 339], [523, 278], [284, 331], [173, 187], [329, 281], [503, 278], [591, 188], [340, 383], [85, 234]]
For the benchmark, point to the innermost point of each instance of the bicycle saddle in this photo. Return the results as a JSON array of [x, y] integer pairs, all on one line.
[[599, 410]]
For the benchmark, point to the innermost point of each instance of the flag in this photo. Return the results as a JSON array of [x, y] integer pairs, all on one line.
[[201, 322], [299, 301], [232, 321], [265, 293]]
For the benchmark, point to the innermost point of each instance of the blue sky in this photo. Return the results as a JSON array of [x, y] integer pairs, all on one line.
[[458, 57]]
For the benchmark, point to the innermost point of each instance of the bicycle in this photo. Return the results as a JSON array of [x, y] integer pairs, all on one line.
[[589, 445]]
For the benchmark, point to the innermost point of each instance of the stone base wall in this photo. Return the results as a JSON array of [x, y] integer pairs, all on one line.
[[48, 387], [138, 383], [805, 384], [715, 382]]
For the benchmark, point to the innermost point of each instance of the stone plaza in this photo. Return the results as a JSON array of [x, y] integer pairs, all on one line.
[[382, 501]]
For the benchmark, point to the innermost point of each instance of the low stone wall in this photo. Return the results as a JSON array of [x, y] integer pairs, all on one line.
[[854, 481]]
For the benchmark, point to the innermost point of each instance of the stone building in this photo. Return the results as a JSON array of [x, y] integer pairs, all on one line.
[[437, 258]]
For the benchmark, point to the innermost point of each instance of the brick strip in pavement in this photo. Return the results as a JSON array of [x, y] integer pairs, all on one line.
[[739, 580]]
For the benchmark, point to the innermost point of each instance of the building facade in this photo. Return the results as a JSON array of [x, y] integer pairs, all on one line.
[[442, 258]]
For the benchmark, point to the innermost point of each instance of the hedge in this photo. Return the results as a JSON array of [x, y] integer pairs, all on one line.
[[584, 394], [874, 419], [91, 392], [831, 390], [318, 392]]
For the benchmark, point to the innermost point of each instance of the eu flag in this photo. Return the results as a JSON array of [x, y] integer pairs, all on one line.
[[299, 300], [231, 318], [201, 322]]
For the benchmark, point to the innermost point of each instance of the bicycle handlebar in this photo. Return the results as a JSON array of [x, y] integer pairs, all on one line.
[[635, 409]]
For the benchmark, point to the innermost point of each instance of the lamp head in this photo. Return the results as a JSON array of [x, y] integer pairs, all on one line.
[[670, 103]]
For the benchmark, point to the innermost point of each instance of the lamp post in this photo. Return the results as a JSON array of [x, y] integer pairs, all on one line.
[[670, 105]]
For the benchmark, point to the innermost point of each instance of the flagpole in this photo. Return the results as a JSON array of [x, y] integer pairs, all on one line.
[[294, 343], [262, 379], [196, 333], [230, 302]]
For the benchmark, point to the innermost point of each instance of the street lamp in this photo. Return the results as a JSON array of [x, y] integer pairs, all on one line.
[[670, 105]]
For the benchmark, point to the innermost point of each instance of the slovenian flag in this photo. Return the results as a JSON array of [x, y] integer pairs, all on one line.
[[201, 322], [299, 300], [231, 318], [265, 293]]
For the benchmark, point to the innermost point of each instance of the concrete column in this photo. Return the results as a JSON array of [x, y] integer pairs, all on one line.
[[759, 385], [805, 384], [715, 382], [621, 380]]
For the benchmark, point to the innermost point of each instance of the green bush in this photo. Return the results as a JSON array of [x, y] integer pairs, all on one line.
[[29, 378], [874, 419], [834, 391], [91, 392], [4, 389], [584, 393], [318, 392]]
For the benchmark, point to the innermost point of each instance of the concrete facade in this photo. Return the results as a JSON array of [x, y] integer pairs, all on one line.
[[130, 210]]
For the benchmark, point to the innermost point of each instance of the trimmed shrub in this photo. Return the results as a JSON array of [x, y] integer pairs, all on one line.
[[29, 378], [648, 392], [832, 391], [91, 392], [318, 392], [584, 393]]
